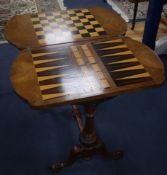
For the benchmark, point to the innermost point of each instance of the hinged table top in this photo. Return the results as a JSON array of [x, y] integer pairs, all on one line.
[[34, 30], [83, 71]]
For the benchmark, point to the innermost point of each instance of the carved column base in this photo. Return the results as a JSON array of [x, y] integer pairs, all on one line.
[[82, 151], [89, 145]]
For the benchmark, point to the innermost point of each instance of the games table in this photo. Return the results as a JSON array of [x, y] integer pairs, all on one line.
[[83, 72]]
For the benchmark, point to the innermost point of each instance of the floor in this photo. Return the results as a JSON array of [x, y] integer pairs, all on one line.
[[137, 33]]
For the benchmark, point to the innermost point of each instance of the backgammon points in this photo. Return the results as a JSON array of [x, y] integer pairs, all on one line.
[[74, 72]]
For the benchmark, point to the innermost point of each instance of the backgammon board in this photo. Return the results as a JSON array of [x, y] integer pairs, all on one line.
[[101, 68]]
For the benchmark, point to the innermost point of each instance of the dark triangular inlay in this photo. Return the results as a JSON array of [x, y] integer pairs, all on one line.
[[55, 90], [122, 74], [110, 59], [132, 81], [54, 63], [105, 45], [58, 71], [51, 56], [112, 67], [111, 51]]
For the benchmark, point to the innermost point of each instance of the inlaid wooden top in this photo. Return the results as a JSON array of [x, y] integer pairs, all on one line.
[[72, 73], [64, 26]]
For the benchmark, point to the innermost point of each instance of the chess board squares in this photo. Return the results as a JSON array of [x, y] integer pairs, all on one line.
[[123, 67], [51, 38], [56, 27]]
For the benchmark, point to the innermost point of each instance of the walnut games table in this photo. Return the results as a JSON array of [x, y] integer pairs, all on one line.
[[85, 67]]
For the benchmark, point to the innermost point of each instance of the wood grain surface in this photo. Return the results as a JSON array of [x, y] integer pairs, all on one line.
[[84, 71], [40, 29]]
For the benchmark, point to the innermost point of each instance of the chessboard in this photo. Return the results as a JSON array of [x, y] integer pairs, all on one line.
[[84, 68], [64, 26]]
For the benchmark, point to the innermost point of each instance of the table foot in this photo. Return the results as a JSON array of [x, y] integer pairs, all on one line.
[[116, 155], [74, 154]]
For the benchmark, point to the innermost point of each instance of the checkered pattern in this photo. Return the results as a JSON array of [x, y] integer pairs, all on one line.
[[63, 26]]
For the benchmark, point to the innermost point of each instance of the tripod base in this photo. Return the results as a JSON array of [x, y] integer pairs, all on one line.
[[89, 145], [86, 153]]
